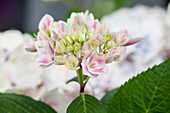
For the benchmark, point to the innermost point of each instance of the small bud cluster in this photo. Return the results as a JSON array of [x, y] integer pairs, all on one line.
[[82, 41]]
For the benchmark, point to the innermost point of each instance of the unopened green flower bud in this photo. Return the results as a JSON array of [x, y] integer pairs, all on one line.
[[74, 36], [60, 60], [60, 47], [82, 38], [85, 29], [110, 44], [94, 42], [76, 47], [108, 37], [87, 37], [69, 48], [72, 63], [69, 40], [103, 41]]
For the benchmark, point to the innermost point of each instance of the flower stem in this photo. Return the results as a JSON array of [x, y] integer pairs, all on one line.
[[86, 81], [80, 78]]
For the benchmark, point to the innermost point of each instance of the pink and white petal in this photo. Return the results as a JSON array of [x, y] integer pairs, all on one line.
[[112, 58], [87, 50], [30, 48], [98, 36], [92, 58], [112, 51], [94, 42], [78, 20], [49, 50], [42, 26], [48, 19], [117, 57], [75, 27], [109, 59], [54, 34], [86, 68], [134, 41], [113, 36], [63, 28], [40, 44], [43, 60], [60, 62], [97, 71], [45, 66], [89, 53], [119, 50], [103, 70], [122, 37], [96, 24], [89, 18], [98, 63], [87, 47], [72, 16], [45, 22], [42, 52]]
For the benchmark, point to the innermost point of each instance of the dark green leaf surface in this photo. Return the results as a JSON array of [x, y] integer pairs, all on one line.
[[75, 79], [86, 104], [108, 96], [149, 92], [13, 103]]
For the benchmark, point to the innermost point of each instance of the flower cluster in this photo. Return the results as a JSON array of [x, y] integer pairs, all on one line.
[[82, 42]]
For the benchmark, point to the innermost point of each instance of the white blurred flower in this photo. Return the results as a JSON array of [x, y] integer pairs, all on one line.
[[18, 72], [59, 94], [167, 37], [2, 56], [60, 101]]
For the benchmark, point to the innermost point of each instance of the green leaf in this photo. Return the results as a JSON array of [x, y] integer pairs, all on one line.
[[75, 79], [106, 98], [149, 92], [13, 103], [86, 104]]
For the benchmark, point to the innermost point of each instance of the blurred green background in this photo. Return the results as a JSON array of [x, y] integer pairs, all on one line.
[[26, 14]]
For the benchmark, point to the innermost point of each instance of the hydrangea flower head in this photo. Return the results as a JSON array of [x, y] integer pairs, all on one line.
[[81, 42]]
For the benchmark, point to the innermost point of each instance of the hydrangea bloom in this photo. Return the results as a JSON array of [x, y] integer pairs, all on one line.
[[81, 42]]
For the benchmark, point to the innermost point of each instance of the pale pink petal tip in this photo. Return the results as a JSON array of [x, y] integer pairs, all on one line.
[[45, 66], [134, 41], [50, 49], [43, 60], [45, 22], [30, 49]]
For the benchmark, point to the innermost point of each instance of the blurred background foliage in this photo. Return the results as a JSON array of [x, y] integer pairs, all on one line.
[[25, 15], [98, 7]]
